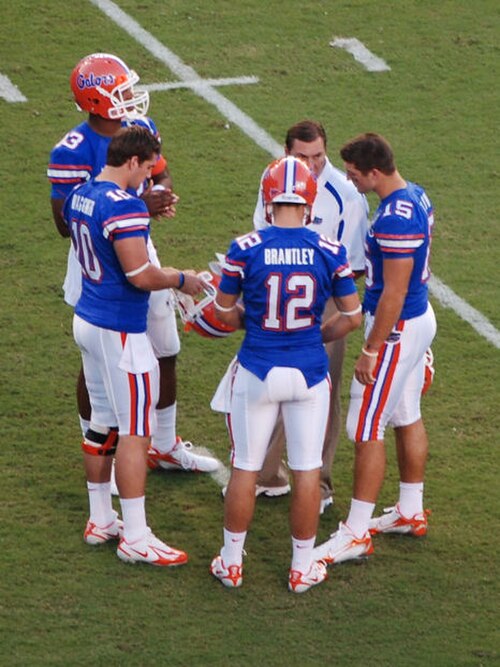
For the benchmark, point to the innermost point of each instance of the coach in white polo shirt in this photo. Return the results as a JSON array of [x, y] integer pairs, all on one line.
[[341, 213]]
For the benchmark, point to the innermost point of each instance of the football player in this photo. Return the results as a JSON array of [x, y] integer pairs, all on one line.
[[389, 373], [109, 229], [104, 87], [285, 274], [339, 212]]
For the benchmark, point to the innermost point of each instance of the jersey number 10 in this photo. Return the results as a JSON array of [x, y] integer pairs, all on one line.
[[84, 249]]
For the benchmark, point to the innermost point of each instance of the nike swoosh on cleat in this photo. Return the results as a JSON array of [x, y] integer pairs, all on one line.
[[140, 553]]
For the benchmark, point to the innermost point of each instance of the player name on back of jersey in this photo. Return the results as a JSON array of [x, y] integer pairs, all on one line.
[[299, 256], [82, 204]]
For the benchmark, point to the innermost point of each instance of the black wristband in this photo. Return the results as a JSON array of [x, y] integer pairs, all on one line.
[[182, 279]]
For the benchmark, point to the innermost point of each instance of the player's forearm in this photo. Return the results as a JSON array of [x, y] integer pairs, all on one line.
[[61, 228], [339, 325], [228, 310], [59, 221], [387, 314], [152, 278], [163, 179], [235, 318]]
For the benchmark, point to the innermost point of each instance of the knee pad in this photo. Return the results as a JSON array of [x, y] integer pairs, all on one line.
[[100, 444]]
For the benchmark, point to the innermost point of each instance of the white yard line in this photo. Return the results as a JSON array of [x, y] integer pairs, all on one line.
[[9, 91], [369, 60], [172, 85], [477, 320], [188, 75], [439, 290]]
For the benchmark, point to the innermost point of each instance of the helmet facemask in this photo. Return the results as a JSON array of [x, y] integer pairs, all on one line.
[[126, 101], [199, 315], [103, 85]]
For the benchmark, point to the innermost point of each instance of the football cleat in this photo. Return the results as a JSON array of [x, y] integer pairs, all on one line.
[[268, 491], [298, 582], [272, 491], [181, 457], [392, 521], [325, 502], [343, 545], [150, 550], [231, 576], [95, 534]]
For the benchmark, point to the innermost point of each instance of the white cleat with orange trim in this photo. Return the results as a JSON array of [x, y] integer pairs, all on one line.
[[231, 576], [343, 545], [95, 535], [392, 521], [150, 550], [298, 582], [181, 457]]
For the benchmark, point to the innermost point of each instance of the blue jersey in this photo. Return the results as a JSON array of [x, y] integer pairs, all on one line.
[[286, 276], [97, 214], [81, 155], [402, 227]]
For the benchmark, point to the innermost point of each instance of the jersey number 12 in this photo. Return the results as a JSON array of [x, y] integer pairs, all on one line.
[[300, 289]]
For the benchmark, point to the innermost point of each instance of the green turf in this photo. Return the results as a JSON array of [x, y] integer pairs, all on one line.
[[431, 602]]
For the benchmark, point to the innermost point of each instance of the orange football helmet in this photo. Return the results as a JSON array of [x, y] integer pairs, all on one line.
[[200, 315], [288, 181], [103, 85]]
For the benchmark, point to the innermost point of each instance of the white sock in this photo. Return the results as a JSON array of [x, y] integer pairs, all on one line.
[[134, 518], [165, 436], [101, 507], [359, 516], [302, 554], [411, 498], [232, 551], [84, 424]]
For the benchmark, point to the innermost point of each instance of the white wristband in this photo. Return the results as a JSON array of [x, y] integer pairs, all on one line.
[[222, 308], [158, 186], [135, 272], [350, 313], [369, 354]]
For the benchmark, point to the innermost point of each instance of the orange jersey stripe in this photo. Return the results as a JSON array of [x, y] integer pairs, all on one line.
[[147, 407], [133, 403], [384, 393]]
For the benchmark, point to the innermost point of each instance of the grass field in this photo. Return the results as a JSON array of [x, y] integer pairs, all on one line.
[[432, 602]]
